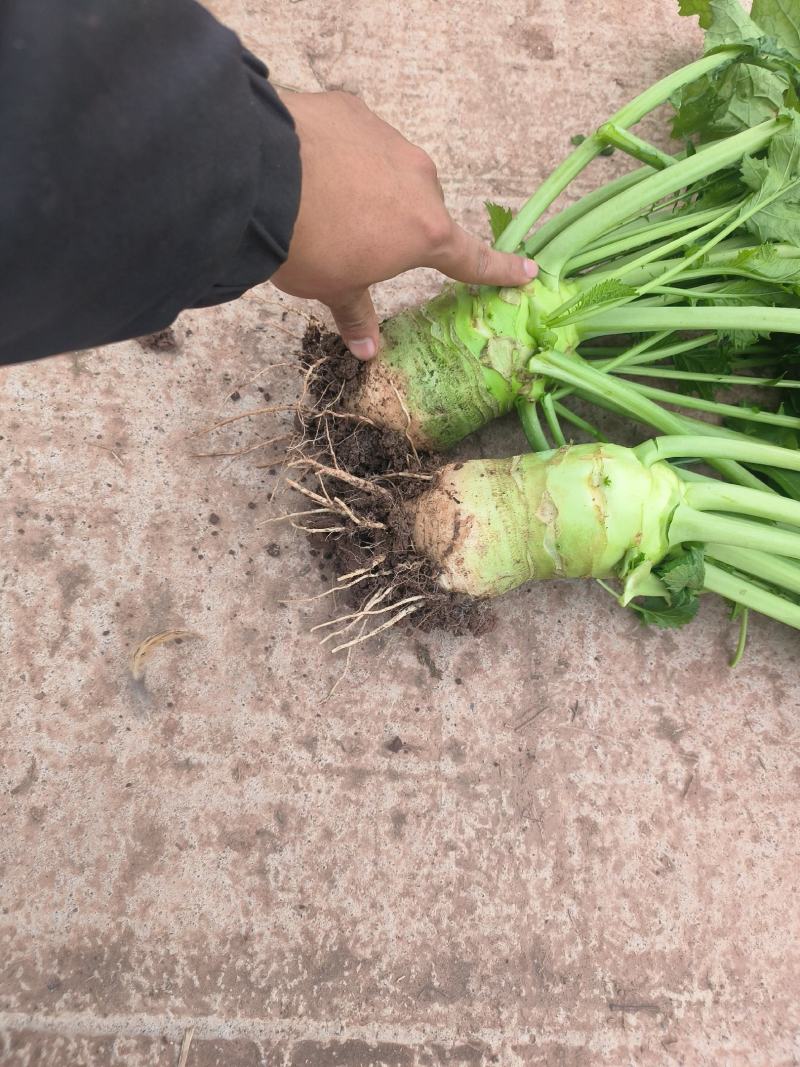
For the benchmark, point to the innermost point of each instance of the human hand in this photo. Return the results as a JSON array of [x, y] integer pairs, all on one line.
[[371, 207]]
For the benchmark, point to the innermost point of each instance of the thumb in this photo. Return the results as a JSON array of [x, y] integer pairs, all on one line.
[[466, 259], [357, 323]]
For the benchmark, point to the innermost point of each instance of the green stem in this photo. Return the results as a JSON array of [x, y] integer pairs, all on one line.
[[642, 353], [654, 216], [548, 230], [743, 592], [643, 319], [528, 413], [552, 421], [573, 371], [757, 203], [690, 525], [611, 133], [720, 262], [696, 403], [777, 570], [647, 235], [639, 353], [685, 446], [616, 211], [716, 379], [729, 219], [582, 424], [741, 644], [717, 496], [628, 115]]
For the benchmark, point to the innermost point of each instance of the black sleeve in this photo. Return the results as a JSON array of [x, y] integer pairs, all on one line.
[[146, 166]]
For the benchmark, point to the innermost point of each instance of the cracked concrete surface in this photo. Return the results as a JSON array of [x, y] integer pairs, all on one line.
[[583, 849]]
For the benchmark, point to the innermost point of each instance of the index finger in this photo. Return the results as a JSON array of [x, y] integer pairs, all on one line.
[[467, 259]]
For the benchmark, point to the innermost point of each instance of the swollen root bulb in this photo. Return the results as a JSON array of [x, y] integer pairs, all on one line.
[[455, 364], [440, 545], [490, 525]]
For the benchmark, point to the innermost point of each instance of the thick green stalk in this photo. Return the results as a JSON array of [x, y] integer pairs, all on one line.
[[743, 449], [528, 413], [606, 217], [548, 230], [628, 115], [573, 371], [690, 525], [611, 133], [679, 224], [752, 596], [643, 319], [778, 570], [717, 496], [697, 403]]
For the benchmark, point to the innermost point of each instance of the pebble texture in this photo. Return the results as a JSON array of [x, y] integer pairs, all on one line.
[[571, 843]]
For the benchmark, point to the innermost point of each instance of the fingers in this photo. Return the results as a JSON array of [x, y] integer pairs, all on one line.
[[466, 259], [357, 323]]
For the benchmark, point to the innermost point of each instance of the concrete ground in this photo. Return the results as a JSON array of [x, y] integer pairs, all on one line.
[[572, 842]]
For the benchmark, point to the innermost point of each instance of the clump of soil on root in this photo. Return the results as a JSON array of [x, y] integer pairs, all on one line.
[[361, 447], [364, 477]]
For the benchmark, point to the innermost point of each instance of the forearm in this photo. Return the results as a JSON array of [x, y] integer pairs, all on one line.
[[147, 167]]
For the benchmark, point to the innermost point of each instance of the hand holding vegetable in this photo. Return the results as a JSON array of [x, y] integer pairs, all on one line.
[[371, 207]]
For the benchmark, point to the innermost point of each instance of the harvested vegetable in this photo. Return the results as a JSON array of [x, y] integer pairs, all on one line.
[[705, 241], [684, 272], [481, 528]]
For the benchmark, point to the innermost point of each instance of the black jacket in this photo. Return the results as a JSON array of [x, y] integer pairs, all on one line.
[[146, 166]]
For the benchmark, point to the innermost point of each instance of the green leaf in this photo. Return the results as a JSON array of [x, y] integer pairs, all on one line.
[[745, 292], [697, 7], [765, 261], [602, 295], [499, 218], [745, 92], [791, 99], [682, 576], [724, 21], [779, 19], [657, 612], [734, 99], [775, 181], [684, 571]]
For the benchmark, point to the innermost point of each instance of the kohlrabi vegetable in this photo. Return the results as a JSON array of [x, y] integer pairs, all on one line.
[[604, 511], [656, 534]]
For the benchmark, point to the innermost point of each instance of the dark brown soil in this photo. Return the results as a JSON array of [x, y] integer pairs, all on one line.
[[362, 449], [163, 341], [383, 459]]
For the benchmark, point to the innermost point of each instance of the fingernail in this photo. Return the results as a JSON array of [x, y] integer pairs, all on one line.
[[363, 348], [531, 268]]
